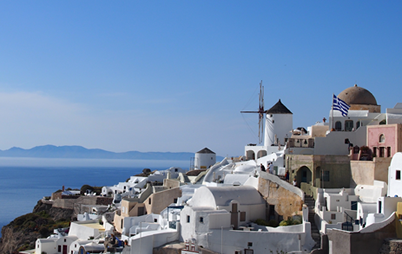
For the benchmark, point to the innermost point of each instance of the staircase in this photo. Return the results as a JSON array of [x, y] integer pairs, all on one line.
[[315, 234]]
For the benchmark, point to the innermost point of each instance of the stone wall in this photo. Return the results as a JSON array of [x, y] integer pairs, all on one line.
[[391, 246], [338, 167], [365, 172], [286, 202], [82, 200], [360, 243], [160, 200]]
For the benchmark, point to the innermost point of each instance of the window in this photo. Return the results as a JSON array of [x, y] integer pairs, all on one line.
[[374, 151], [338, 126], [242, 216], [398, 175], [201, 219], [325, 176], [121, 223], [348, 125], [379, 206], [381, 138], [175, 200], [155, 220], [59, 248], [188, 218], [381, 151], [388, 151], [249, 244], [141, 210], [353, 205], [333, 216], [149, 201]]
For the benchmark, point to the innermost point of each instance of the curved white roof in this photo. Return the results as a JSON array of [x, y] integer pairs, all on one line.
[[396, 160], [221, 196]]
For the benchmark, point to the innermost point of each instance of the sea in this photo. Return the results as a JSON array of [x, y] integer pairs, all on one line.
[[24, 181]]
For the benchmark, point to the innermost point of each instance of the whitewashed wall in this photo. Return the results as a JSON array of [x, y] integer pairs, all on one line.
[[280, 125]]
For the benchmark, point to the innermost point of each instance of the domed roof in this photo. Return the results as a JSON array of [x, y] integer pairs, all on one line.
[[357, 95]]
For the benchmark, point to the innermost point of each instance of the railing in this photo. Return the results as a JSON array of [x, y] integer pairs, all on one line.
[[348, 225]]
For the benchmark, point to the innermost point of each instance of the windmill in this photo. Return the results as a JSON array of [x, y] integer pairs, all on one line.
[[261, 112]]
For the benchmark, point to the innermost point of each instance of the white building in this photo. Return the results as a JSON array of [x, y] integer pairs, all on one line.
[[394, 176], [204, 159], [348, 209], [278, 127], [220, 219], [54, 245], [136, 184]]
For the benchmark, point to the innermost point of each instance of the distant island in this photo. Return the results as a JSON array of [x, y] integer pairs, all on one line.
[[76, 152]]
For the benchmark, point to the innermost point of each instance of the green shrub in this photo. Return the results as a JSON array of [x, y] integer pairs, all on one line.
[[44, 231], [273, 223], [261, 222], [290, 221]]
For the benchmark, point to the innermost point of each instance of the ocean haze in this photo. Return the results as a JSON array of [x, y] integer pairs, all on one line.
[[51, 151]]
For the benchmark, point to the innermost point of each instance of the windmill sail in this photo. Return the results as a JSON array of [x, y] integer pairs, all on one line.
[[261, 112]]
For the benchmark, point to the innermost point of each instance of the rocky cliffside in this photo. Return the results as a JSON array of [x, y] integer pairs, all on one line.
[[23, 231]]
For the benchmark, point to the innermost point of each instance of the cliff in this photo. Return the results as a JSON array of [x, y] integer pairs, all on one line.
[[23, 231]]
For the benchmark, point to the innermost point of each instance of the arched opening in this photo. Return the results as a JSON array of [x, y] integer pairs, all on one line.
[[348, 125], [250, 155], [261, 153], [303, 175], [358, 124], [338, 126]]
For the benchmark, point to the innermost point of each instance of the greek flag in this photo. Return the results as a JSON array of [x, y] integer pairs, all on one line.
[[340, 105]]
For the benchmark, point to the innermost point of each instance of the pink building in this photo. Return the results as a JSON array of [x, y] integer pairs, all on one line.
[[384, 140]]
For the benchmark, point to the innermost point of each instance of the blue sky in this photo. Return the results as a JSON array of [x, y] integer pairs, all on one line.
[[174, 75]]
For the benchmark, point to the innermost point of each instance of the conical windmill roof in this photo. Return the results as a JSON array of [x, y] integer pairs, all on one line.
[[206, 150], [278, 108]]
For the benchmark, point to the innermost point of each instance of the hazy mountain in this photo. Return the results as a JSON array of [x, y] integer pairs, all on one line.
[[50, 151]]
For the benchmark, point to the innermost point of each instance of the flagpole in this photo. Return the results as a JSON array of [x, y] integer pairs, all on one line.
[[332, 112]]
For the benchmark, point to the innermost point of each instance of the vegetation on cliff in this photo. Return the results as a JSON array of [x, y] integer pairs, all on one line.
[[23, 231]]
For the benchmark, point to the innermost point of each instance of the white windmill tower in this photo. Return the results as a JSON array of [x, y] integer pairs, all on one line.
[[278, 125], [278, 122]]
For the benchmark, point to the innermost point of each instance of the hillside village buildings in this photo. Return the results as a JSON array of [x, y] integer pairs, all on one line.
[[350, 167]]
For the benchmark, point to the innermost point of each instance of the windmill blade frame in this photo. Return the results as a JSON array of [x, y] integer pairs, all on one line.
[[261, 112]]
